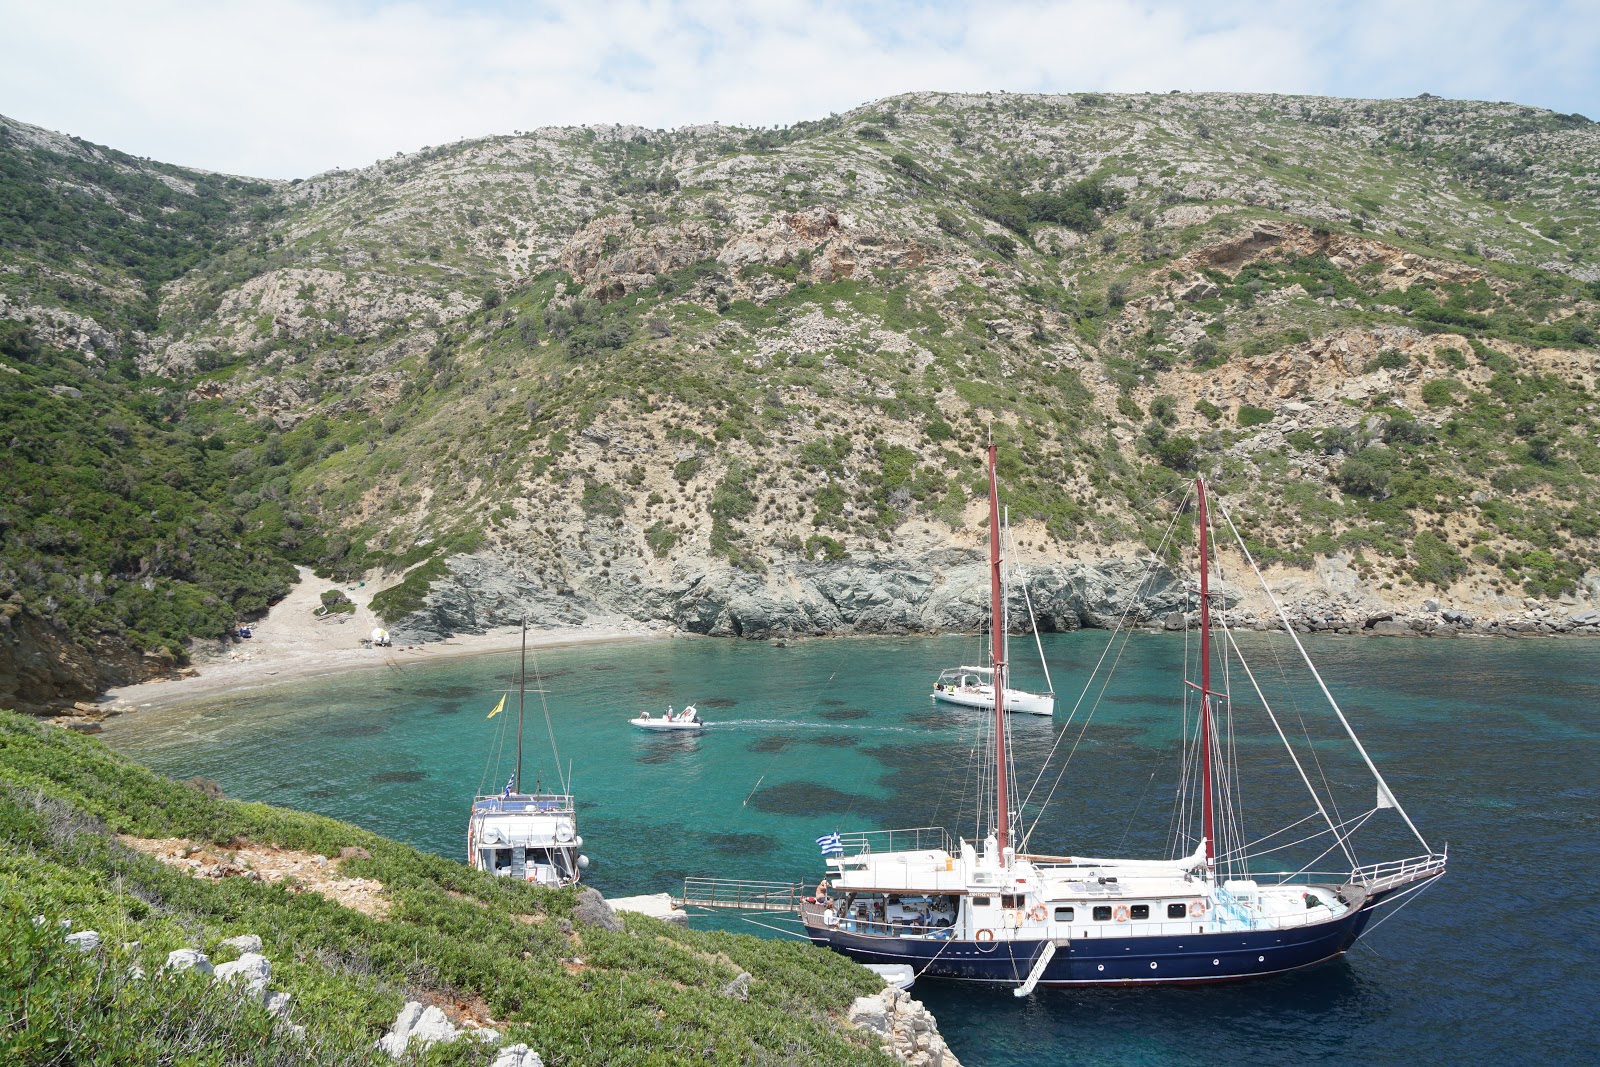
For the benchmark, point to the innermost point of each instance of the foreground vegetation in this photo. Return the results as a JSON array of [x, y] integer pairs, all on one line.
[[649, 994]]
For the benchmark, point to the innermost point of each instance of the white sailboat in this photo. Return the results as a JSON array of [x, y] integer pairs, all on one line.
[[527, 836], [973, 687], [989, 910]]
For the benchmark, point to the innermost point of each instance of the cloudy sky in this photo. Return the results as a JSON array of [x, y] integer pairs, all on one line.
[[287, 88]]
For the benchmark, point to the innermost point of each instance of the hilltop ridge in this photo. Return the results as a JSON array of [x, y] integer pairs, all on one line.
[[738, 380]]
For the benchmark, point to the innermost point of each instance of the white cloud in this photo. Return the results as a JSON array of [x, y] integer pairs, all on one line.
[[287, 88]]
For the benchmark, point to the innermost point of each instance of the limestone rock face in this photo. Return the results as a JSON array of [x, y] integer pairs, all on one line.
[[243, 943], [909, 1031], [934, 590]]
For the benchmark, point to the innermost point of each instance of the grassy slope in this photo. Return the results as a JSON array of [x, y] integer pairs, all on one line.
[[647, 995]]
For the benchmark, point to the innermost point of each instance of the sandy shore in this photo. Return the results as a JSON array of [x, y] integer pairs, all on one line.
[[292, 644]]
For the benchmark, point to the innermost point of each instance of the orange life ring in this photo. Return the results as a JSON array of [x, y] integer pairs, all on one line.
[[985, 935], [1197, 908], [1122, 913], [1037, 914]]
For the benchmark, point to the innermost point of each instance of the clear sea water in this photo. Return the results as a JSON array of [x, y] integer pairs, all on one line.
[[1493, 746]]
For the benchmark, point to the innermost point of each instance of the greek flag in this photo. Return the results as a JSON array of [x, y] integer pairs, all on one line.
[[510, 785], [830, 844]]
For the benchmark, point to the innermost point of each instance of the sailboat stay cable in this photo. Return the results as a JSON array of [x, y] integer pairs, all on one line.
[[1127, 609], [1348, 729], [1033, 622], [565, 780], [1273, 718], [1111, 643]]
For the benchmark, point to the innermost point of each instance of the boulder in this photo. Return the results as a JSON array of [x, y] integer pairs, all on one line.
[[185, 959], [517, 1056], [84, 940], [1390, 628], [739, 988], [252, 970], [243, 943], [870, 1013], [592, 910]]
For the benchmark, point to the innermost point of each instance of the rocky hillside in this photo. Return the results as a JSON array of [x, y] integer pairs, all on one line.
[[739, 380]]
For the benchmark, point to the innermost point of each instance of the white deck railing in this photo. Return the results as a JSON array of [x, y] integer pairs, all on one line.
[[913, 839]]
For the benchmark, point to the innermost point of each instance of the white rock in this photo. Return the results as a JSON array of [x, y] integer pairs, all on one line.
[[277, 1003], [243, 943], [85, 941], [183, 959], [252, 969], [433, 1027], [517, 1056]]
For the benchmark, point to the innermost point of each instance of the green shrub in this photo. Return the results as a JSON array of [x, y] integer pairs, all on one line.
[[1437, 561], [1365, 473], [1207, 409], [1439, 392], [1249, 416], [660, 538]]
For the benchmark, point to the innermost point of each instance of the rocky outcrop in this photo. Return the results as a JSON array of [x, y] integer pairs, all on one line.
[[909, 1031], [42, 668], [417, 1027], [946, 590]]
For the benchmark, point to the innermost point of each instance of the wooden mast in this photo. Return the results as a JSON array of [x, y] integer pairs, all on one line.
[[1208, 827], [997, 661], [522, 674]]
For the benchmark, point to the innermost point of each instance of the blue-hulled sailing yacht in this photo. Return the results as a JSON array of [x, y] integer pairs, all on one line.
[[988, 910]]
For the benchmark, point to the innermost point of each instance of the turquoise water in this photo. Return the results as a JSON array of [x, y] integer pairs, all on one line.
[[1491, 745]]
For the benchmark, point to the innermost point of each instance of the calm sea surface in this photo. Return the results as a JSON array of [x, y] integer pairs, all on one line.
[[1493, 746]]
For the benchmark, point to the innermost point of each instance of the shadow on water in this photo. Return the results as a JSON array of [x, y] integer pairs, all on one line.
[[844, 714], [717, 702], [810, 797], [745, 844], [387, 777], [774, 743]]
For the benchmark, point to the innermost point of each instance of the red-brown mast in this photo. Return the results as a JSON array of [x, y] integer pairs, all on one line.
[[997, 661], [1208, 828]]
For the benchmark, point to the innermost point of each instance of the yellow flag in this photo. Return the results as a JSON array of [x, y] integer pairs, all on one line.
[[498, 708]]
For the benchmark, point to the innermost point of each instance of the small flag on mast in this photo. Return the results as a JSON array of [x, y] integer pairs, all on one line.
[[511, 784], [498, 708], [830, 844]]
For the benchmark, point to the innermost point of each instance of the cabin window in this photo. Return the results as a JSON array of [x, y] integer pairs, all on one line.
[[1139, 911], [980, 902], [1177, 911], [1065, 915], [1009, 901], [1102, 913]]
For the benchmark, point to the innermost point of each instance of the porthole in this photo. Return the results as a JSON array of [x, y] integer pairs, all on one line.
[[1152, 965], [1261, 959], [1215, 962], [1102, 966]]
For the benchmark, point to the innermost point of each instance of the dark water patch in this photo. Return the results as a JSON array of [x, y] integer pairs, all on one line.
[[353, 729], [830, 702], [931, 720], [656, 689], [812, 798], [717, 702], [445, 692], [388, 777], [744, 844], [834, 740], [598, 667], [844, 714], [774, 743], [448, 709], [324, 792], [654, 757]]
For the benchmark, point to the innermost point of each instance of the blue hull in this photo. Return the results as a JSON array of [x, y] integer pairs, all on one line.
[[1112, 960]]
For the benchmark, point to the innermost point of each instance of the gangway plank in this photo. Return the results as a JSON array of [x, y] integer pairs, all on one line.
[[740, 895]]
